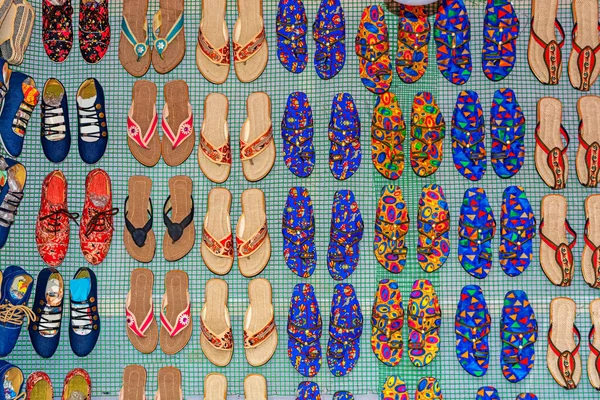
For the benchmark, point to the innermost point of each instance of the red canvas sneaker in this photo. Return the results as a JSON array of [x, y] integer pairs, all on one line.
[[57, 28]]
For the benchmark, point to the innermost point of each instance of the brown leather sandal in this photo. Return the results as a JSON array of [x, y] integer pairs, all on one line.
[[584, 65], [550, 155], [563, 358], [587, 162], [544, 51]]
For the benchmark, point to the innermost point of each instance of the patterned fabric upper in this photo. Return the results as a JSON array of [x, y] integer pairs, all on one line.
[[487, 393], [345, 235], [57, 28], [291, 35], [297, 134], [472, 327], [372, 47], [452, 36], [391, 227], [344, 135], [428, 388], [518, 228], [394, 388], [305, 328], [500, 31], [424, 318], [433, 224], [298, 228], [387, 319], [343, 395], [329, 33], [94, 29], [308, 391], [507, 128], [468, 136], [427, 132], [388, 132], [414, 32]]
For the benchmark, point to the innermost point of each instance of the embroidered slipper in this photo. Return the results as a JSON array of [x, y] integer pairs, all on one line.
[[388, 132], [468, 136], [427, 132], [217, 239], [452, 36], [372, 47], [556, 254], [257, 148], [500, 31], [214, 151], [215, 386], [216, 339], [551, 159], [507, 128], [563, 358], [584, 67], [298, 229], [135, 53], [394, 388], [138, 236], [308, 391], [527, 396], [593, 366], [428, 388], [343, 395], [250, 50], [94, 30], [15, 31], [345, 329], [590, 258], [291, 35], [345, 235], [57, 27], [177, 124], [251, 234], [472, 327], [178, 216], [168, 36], [255, 387], [134, 383], [433, 224], [304, 329], [518, 332], [344, 137], [517, 230], [329, 33], [387, 319], [487, 393], [142, 124], [213, 48], [297, 133], [424, 322], [588, 151], [142, 329], [414, 32], [391, 227], [544, 51], [476, 229], [260, 332], [175, 313], [169, 384]]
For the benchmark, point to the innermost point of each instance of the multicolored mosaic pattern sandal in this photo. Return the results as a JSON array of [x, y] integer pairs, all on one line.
[[372, 47], [345, 235], [387, 319], [414, 32], [304, 331], [424, 321], [388, 132], [428, 388], [291, 35], [527, 396], [452, 36], [297, 134], [507, 128], [308, 391], [343, 395], [468, 135], [298, 230], [487, 393], [394, 388], [427, 132], [500, 32], [329, 33], [433, 224], [518, 228], [391, 226], [472, 327], [344, 135]]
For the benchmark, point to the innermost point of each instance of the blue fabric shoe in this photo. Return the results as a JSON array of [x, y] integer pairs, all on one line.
[[291, 35], [517, 229], [13, 176], [16, 289], [343, 395], [472, 327], [5, 73], [304, 331], [13, 381], [345, 235], [56, 130], [344, 135], [329, 33], [297, 134], [91, 117], [84, 327], [308, 391], [487, 393], [468, 135], [507, 128], [298, 230], [527, 396], [44, 332]]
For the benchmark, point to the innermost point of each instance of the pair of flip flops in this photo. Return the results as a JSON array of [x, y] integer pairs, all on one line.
[[414, 32], [344, 136], [452, 36], [345, 235], [297, 132], [427, 133], [304, 328], [329, 33], [298, 229], [388, 132], [372, 47], [500, 31], [391, 227]]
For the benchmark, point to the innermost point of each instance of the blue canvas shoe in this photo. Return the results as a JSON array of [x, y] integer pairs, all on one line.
[[84, 328], [298, 228], [507, 128], [13, 176], [16, 290], [517, 229], [343, 395], [44, 332], [344, 137], [345, 235], [308, 391], [91, 117], [329, 33], [468, 136], [13, 381], [5, 73], [472, 327], [291, 35], [487, 393], [297, 134], [304, 331], [56, 131]]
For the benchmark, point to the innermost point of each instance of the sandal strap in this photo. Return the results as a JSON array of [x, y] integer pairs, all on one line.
[[566, 359], [297, 31], [517, 340], [245, 52], [140, 48], [257, 146], [138, 329], [392, 230], [593, 349], [595, 255], [563, 253], [346, 238], [592, 158], [315, 332], [397, 322], [477, 235], [586, 60], [176, 229], [425, 323], [248, 247], [349, 135], [218, 155], [556, 157], [349, 334], [139, 235], [181, 322], [134, 131], [463, 35], [222, 341], [220, 248], [552, 53], [220, 56], [162, 42], [184, 131], [297, 236], [252, 340]]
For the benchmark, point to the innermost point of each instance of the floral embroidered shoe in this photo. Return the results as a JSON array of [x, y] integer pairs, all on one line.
[[216, 339], [372, 47], [56, 130], [297, 133], [391, 227], [433, 224], [476, 229], [12, 183], [39, 386], [135, 53], [468, 136], [329, 33], [500, 32], [427, 132], [77, 385], [517, 231], [298, 228], [15, 292], [91, 118], [57, 28], [142, 329], [551, 144], [472, 327], [428, 388], [563, 357], [44, 331], [452, 36], [414, 32], [388, 131], [291, 35], [13, 382], [94, 30], [487, 393], [507, 128], [175, 313], [308, 391], [344, 137], [304, 329], [345, 235], [84, 327], [394, 388], [177, 124], [424, 322], [387, 319]]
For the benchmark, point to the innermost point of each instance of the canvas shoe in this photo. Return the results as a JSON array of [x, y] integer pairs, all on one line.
[[94, 30], [12, 181], [5, 73], [57, 28], [91, 117], [77, 385], [44, 332], [13, 381], [84, 327], [15, 291], [56, 131]]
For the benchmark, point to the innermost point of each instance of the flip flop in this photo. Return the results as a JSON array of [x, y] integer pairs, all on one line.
[[427, 132], [563, 358], [251, 234], [344, 137], [216, 338], [177, 124], [291, 35], [304, 329], [507, 128], [169, 45], [217, 239], [388, 132], [518, 332], [468, 136], [308, 391], [487, 393], [214, 150], [250, 50], [556, 254], [551, 160], [433, 224], [394, 388], [372, 47], [584, 67], [345, 235], [134, 383], [587, 164], [178, 216], [138, 237], [527, 396], [343, 395], [391, 226], [257, 148], [298, 229], [329, 33], [297, 134], [472, 327], [476, 229], [414, 32], [255, 387], [500, 31], [593, 366], [517, 229], [142, 124], [215, 386], [142, 329], [428, 388], [544, 51], [175, 313], [135, 52], [387, 319], [260, 332], [590, 258], [213, 48], [169, 384], [452, 36], [424, 322]]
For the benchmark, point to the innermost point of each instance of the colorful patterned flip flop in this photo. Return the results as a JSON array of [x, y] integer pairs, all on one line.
[[394, 388], [500, 32], [298, 228], [345, 329], [344, 135], [304, 331], [387, 319], [424, 321], [308, 391], [517, 228], [391, 227], [345, 235], [527, 396], [433, 224], [476, 229], [297, 133], [452, 35], [291, 35], [329, 32], [507, 128], [414, 32], [468, 135], [388, 132], [343, 395], [372, 47], [518, 332], [427, 132], [472, 327], [487, 393], [428, 388]]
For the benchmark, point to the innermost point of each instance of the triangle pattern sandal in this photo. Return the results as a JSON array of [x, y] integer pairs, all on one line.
[[216, 339], [593, 366], [372, 47], [551, 160], [427, 133], [468, 136], [563, 357], [584, 66], [517, 224], [472, 328], [527, 396], [391, 226], [487, 393], [175, 313], [590, 257], [388, 132], [433, 224], [452, 36], [344, 136], [329, 33], [507, 128], [345, 235], [298, 229], [291, 35], [500, 31], [414, 32], [387, 320], [588, 151], [304, 328], [544, 50], [424, 322], [297, 132]]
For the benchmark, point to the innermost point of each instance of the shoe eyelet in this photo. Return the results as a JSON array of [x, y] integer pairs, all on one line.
[[92, 299], [103, 134], [94, 308], [95, 318], [103, 124], [101, 115], [98, 106], [95, 327]]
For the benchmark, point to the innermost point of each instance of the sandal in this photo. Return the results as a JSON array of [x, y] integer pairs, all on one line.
[[433, 224], [556, 254], [214, 150], [297, 132], [588, 152], [344, 137], [593, 366], [500, 31], [169, 384], [343, 395], [563, 358], [250, 50], [217, 240], [517, 229], [468, 136], [169, 45], [257, 147], [428, 388], [298, 229], [387, 319], [178, 216], [260, 332], [345, 235], [551, 160], [424, 322], [590, 258], [414, 32], [134, 383], [388, 132], [216, 339], [213, 48], [142, 124], [175, 313], [394, 388], [584, 67], [372, 47], [329, 33], [544, 52], [135, 53], [391, 226], [138, 236], [472, 328], [255, 387], [252, 235], [527, 396], [215, 386], [291, 35], [427, 132], [142, 329], [177, 124], [308, 391], [507, 128], [487, 393], [304, 328], [452, 36]]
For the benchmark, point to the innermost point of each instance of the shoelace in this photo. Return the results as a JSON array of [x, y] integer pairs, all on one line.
[[8, 208], [58, 15], [46, 322], [89, 117], [81, 311], [50, 129], [11, 314], [23, 116], [54, 225], [99, 221]]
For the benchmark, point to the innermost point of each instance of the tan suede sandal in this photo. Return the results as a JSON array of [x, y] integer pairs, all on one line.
[[257, 148], [169, 384], [255, 387], [215, 387], [250, 50], [214, 151], [178, 215], [135, 53], [177, 124], [544, 51], [260, 332], [584, 66], [142, 329], [134, 383], [138, 235], [252, 235], [590, 258], [169, 36], [142, 124], [587, 162], [551, 160], [217, 238], [594, 345], [563, 358], [175, 313], [216, 339], [213, 49]]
